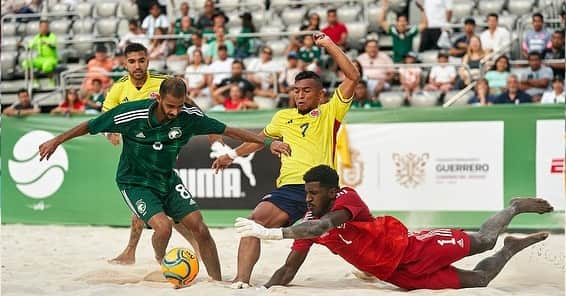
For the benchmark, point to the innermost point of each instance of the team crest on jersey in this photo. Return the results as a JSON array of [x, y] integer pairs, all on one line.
[[314, 113], [175, 133], [153, 95], [140, 204]]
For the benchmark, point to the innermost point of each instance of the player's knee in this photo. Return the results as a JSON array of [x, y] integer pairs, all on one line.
[[482, 242], [200, 231]]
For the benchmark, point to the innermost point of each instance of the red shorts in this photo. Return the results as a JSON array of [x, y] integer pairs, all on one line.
[[427, 261]]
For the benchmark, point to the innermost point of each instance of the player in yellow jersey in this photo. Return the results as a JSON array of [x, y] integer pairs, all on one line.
[[138, 84], [311, 131]]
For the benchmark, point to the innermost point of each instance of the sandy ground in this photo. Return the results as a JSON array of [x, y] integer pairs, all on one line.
[[58, 260]]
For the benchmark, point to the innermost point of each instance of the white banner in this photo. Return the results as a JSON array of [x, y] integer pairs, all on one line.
[[550, 161], [440, 166]]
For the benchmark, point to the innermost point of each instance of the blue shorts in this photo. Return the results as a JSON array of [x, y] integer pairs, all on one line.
[[290, 199]]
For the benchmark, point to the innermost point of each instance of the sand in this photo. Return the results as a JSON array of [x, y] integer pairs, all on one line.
[[72, 260]]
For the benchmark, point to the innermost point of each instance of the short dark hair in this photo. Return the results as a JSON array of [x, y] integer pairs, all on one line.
[[400, 15], [198, 34], [535, 53], [560, 32], [133, 22], [361, 81], [239, 62], [222, 47], [22, 90], [493, 14], [134, 47], [308, 75], [331, 10], [153, 4], [173, 86], [325, 175], [538, 14], [470, 21]]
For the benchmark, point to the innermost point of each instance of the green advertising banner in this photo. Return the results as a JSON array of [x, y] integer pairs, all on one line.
[[76, 186]]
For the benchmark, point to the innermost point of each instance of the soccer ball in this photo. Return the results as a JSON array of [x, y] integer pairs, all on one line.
[[180, 267]]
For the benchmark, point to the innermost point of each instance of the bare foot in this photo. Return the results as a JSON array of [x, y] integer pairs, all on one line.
[[516, 244], [123, 259], [531, 205], [364, 276]]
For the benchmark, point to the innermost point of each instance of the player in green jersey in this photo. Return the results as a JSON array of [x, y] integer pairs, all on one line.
[[153, 132]]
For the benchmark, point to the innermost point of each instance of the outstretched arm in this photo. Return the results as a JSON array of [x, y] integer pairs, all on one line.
[[48, 148], [382, 18], [246, 136], [287, 272]]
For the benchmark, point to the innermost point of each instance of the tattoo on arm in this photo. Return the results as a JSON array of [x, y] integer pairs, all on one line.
[[308, 229]]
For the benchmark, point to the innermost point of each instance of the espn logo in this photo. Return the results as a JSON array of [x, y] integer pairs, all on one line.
[[557, 166]]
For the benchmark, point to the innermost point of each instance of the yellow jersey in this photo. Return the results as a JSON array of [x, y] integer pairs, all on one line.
[[123, 90], [312, 137]]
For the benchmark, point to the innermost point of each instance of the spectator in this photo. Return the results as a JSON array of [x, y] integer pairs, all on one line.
[[154, 20], [312, 24], [537, 79], [537, 39], [244, 44], [45, 45], [205, 21], [336, 30], [374, 65], [287, 77], [309, 55], [482, 97], [411, 76], [184, 8], [197, 77], [265, 70], [33, 6], [439, 15], [93, 101], [198, 44], [23, 106], [556, 95], [219, 20], [473, 59], [235, 101], [221, 67], [362, 98], [119, 66], [157, 51], [460, 46], [442, 76], [71, 105], [494, 37], [497, 75], [513, 95], [144, 7], [557, 52], [220, 40], [134, 35], [182, 44], [401, 33], [99, 68]]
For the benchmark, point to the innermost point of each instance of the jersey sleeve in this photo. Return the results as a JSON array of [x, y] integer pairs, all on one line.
[[338, 105], [105, 122], [112, 98], [273, 129], [302, 245], [205, 125], [351, 202]]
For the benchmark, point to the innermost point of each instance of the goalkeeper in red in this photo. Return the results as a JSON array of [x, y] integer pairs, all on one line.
[[154, 131], [338, 219]]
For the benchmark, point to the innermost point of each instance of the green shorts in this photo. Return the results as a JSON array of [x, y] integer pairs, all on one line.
[[145, 202]]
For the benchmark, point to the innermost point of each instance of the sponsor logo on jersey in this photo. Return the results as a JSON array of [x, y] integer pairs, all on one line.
[[140, 135], [314, 113], [34, 179], [141, 206], [157, 146], [175, 133], [154, 95]]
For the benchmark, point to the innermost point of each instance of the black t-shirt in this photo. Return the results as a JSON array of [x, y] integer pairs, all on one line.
[[244, 84]]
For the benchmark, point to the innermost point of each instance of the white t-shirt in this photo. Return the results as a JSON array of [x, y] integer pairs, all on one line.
[[195, 75], [550, 98], [134, 38], [150, 23], [270, 66], [495, 41], [203, 49], [221, 66], [443, 74], [436, 12]]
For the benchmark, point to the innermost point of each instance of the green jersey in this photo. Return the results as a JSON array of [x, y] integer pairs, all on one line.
[[45, 45], [402, 42], [150, 149]]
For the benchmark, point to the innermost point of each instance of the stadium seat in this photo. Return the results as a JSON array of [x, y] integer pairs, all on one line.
[[228, 5], [349, 13], [462, 9], [385, 41], [129, 9], [491, 6], [85, 9], [11, 86], [107, 26], [8, 60], [429, 56], [258, 18], [198, 5], [9, 29], [234, 20], [106, 9], [424, 99], [278, 5], [294, 28], [60, 26], [507, 21], [177, 66], [123, 27], [157, 65], [32, 28], [374, 14], [293, 15], [271, 29], [278, 47], [391, 99], [520, 7], [356, 31], [58, 7], [84, 25], [9, 43], [83, 43]]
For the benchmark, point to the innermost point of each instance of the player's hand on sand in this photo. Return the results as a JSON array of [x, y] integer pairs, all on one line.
[[221, 163], [322, 40], [114, 138], [246, 227], [48, 148], [278, 148]]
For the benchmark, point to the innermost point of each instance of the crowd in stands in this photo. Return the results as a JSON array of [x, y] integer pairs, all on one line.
[[230, 72]]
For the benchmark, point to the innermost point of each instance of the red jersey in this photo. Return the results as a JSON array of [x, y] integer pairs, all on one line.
[[78, 104], [233, 105], [335, 32], [374, 245]]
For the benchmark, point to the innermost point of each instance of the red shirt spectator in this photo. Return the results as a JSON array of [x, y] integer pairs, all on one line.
[[336, 30]]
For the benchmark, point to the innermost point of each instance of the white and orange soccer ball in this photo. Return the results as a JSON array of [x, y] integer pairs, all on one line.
[[180, 267]]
